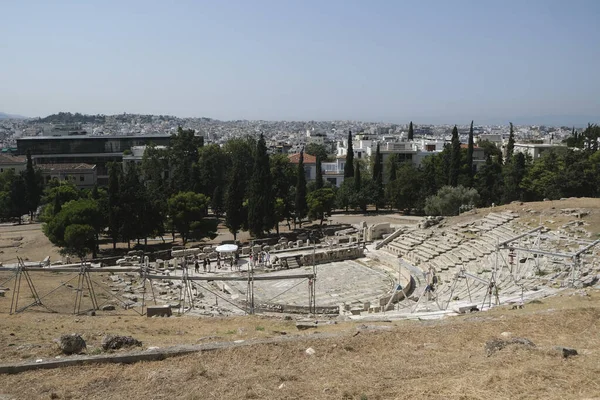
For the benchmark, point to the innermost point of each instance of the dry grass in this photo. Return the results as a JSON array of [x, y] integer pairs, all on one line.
[[417, 360]]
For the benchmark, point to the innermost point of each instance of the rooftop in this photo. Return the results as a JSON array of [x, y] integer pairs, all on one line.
[[107, 137], [308, 159], [65, 167], [8, 159]]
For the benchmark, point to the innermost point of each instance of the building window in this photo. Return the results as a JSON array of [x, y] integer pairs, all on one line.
[[307, 172], [1, 169], [81, 178]]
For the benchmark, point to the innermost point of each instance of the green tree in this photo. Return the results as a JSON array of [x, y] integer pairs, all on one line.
[[300, 206], [260, 196], [510, 147], [470, 169], [234, 199], [183, 153], [187, 211], [79, 240], [13, 189], [212, 166], [449, 200], [513, 172], [345, 194], [317, 150], [86, 216], [392, 167], [284, 182], [544, 178], [320, 202], [153, 169], [454, 158], [34, 184], [349, 166], [115, 176], [319, 175], [360, 198], [411, 133], [404, 192], [489, 182], [55, 195], [378, 195], [132, 199]]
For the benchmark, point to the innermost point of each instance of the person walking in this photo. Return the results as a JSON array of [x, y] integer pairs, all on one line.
[[204, 264], [208, 262], [196, 266]]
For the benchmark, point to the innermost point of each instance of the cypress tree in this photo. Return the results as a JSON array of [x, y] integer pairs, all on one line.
[[411, 133], [319, 176], [260, 199], [470, 155], [301, 207], [510, 147], [393, 168], [376, 166], [56, 207], [349, 167], [378, 178], [454, 158], [234, 199], [357, 179], [33, 187], [114, 209]]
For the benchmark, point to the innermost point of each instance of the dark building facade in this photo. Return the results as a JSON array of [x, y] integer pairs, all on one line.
[[94, 150]]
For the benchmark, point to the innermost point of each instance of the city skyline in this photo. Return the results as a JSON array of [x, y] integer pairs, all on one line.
[[436, 62]]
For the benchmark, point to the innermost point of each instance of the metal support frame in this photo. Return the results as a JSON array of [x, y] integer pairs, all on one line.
[[84, 279], [21, 271], [86, 283], [575, 257]]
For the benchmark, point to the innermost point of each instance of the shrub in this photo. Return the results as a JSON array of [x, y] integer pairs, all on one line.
[[449, 200]]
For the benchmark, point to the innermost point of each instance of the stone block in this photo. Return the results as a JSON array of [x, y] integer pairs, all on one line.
[[159, 311]]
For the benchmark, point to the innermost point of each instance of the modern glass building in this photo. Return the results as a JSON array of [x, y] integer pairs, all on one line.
[[94, 150]]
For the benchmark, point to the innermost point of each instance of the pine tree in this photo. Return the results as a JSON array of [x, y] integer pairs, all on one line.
[[301, 208], [411, 133], [319, 175], [260, 195], [470, 156], [349, 167], [510, 147], [454, 158]]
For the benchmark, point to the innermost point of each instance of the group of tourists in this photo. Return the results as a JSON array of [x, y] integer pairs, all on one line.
[[261, 258], [233, 261]]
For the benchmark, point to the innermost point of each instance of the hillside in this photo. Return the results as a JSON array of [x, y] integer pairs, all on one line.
[[11, 116], [264, 356], [402, 360]]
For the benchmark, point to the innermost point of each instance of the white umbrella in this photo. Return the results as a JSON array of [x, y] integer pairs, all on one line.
[[227, 248]]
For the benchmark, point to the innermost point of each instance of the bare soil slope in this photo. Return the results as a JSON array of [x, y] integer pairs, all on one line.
[[409, 360]]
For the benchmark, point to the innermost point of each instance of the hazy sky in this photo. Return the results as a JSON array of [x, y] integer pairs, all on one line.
[[427, 61]]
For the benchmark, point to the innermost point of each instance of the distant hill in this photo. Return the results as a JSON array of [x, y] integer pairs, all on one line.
[[70, 118], [11, 116]]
